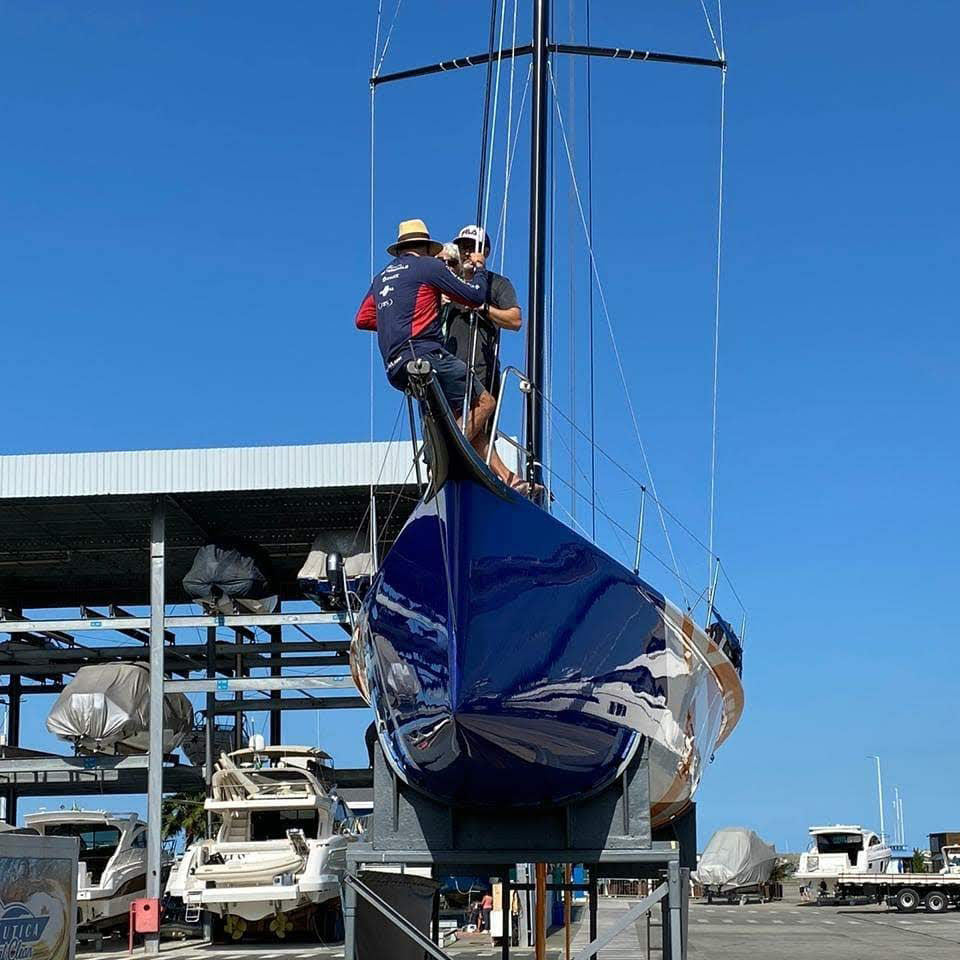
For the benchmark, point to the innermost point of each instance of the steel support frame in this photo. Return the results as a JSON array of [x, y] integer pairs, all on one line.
[[276, 715], [155, 767], [262, 684], [659, 854], [13, 738], [76, 625]]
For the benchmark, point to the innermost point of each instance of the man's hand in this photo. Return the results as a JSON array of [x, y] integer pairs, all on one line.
[[478, 260]]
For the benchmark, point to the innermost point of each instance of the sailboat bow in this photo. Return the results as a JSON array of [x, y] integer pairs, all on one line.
[[510, 661]]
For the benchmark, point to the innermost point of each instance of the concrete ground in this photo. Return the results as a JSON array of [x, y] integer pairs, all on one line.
[[772, 931]]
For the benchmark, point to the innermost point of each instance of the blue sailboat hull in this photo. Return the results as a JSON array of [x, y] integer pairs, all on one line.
[[507, 658]]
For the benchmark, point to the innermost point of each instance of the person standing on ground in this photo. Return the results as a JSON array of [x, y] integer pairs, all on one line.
[[486, 907]]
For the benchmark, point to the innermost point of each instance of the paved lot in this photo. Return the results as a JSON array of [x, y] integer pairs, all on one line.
[[773, 931]]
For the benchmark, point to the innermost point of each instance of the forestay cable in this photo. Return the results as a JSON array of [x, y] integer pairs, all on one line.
[[613, 338], [371, 363]]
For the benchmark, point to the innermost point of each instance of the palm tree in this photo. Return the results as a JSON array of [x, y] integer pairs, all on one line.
[[183, 815]]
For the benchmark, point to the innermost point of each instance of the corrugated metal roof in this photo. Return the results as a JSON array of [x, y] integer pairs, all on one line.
[[205, 470]]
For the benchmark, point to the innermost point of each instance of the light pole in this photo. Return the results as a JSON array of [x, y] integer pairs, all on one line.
[[872, 756]]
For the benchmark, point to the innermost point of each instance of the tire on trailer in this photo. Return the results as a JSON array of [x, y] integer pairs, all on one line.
[[908, 900], [936, 901]]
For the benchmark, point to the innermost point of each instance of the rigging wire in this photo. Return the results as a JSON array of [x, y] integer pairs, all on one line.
[[716, 331], [493, 135], [571, 247], [508, 153], [501, 230], [716, 46], [485, 127], [371, 361], [593, 393], [386, 43], [613, 338]]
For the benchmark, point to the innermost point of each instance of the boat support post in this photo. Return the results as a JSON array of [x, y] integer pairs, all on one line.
[[13, 739]]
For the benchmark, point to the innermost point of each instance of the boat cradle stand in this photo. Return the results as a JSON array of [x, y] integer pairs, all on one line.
[[610, 833]]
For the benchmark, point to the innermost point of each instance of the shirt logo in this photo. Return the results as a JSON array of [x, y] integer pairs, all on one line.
[[386, 289]]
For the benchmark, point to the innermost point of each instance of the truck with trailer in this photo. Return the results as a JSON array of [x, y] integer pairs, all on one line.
[[935, 892]]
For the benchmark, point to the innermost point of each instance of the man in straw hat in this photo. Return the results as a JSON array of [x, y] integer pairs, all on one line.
[[403, 307]]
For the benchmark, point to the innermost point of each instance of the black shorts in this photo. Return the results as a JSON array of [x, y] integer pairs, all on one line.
[[450, 371]]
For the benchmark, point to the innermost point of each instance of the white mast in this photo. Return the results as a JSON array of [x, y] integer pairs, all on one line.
[[883, 836]]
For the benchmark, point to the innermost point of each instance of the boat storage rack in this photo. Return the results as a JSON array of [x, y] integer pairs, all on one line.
[[610, 833]]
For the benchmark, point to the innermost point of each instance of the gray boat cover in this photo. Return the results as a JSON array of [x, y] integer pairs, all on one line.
[[735, 857], [106, 709]]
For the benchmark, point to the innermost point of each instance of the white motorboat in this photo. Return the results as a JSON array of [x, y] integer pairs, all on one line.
[[841, 849], [276, 862], [112, 871]]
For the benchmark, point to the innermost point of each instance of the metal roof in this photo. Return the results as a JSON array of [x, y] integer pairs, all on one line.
[[203, 470], [74, 527]]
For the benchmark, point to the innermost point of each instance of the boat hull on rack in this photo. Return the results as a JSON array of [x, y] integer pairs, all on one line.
[[511, 662]]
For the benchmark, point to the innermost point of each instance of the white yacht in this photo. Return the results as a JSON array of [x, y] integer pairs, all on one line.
[[112, 871], [275, 864], [841, 849]]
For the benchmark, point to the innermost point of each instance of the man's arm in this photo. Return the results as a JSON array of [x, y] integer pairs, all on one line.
[[510, 319], [367, 314], [504, 309], [465, 292]]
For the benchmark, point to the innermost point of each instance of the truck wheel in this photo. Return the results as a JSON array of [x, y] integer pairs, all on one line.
[[908, 900], [936, 902]]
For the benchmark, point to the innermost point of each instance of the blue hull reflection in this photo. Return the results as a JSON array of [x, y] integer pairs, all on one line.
[[509, 660]]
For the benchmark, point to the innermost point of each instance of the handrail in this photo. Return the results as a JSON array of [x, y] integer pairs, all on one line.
[[525, 387]]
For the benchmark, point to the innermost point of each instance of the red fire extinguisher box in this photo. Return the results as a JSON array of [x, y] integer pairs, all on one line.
[[145, 915]]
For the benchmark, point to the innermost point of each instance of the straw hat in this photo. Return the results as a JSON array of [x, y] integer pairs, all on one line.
[[413, 231]]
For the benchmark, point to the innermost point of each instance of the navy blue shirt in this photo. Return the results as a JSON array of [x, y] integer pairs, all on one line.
[[403, 303]]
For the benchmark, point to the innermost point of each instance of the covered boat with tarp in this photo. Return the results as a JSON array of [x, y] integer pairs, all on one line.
[[736, 861], [106, 709]]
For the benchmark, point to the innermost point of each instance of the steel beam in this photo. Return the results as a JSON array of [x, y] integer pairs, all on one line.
[[276, 716], [171, 622], [13, 738], [233, 684], [209, 722], [155, 756], [186, 650], [263, 705]]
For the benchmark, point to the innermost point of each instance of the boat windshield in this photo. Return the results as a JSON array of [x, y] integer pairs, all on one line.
[[274, 824], [98, 843], [849, 843]]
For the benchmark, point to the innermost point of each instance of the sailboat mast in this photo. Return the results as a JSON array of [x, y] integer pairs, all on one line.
[[538, 225]]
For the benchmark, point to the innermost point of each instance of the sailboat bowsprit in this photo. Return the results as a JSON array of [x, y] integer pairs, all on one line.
[[509, 660]]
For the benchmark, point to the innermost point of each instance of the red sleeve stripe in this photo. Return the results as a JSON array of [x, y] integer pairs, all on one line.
[[367, 314], [425, 309]]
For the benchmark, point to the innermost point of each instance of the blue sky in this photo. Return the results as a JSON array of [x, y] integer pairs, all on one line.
[[185, 238]]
